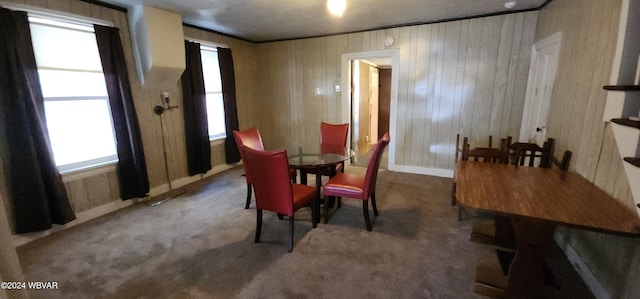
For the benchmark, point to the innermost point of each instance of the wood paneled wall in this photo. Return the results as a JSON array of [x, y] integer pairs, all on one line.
[[102, 189], [589, 30], [465, 77]]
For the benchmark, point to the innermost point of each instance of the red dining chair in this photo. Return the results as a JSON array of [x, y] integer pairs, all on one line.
[[333, 139], [251, 138], [334, 136], [358, 187], [274, 191]]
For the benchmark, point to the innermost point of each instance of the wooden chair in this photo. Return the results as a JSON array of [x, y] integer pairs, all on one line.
[[251, 138], [358, 187], [274, 190], [482, 154], [521, 153]]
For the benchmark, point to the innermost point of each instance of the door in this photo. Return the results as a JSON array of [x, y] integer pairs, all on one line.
[[384, 101], [542, 74]]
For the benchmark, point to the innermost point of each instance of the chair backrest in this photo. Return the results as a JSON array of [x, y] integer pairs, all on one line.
[[484, 154], [248, 138], [271, 180], [564, 163], [374, 163], [526, 153], [334, 134]]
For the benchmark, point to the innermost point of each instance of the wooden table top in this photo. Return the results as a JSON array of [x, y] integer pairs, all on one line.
[[546, 194]]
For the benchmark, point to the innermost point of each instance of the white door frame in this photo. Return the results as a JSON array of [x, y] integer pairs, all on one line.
[[536, 104], [394, 54]]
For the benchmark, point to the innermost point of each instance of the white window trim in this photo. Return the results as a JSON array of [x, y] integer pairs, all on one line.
[[211, 46], [89, 171]]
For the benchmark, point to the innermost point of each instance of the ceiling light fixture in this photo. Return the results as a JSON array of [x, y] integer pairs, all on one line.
[[337, 7], [510, 5]]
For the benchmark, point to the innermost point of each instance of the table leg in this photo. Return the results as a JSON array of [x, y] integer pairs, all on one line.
[[318, 200], [303, 177], [526, 274]]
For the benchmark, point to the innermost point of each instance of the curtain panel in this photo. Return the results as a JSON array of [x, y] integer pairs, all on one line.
[[232, 155], [196, 126], [131, 167], [37, 195]]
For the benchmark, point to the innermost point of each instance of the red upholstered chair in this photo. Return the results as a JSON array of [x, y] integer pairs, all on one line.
[[251, 138], [274, 191], [358, 187], [334, 136], [333, 139]]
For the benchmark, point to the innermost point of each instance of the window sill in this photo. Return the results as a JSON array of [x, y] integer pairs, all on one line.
[[85, 172]]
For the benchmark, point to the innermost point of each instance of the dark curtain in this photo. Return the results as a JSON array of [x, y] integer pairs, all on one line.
[[196, 128], [230, 109], [37, 195], [132, 168]]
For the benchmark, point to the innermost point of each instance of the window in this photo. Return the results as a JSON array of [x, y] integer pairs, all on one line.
[[75, 94], [213, 92]]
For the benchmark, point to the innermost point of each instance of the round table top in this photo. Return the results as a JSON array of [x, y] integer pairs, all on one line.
[[319, 157]]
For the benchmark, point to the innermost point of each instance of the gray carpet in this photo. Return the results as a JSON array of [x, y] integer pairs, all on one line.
[[200, 245]]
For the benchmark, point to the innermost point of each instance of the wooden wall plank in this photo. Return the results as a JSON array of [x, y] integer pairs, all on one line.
[[446, 115]]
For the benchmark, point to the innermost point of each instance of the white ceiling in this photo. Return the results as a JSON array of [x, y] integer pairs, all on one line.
[[271, 20]]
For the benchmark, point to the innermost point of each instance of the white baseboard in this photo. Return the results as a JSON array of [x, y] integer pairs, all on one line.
[[181, 182], [115, 205], [447, 173], [579, 265]]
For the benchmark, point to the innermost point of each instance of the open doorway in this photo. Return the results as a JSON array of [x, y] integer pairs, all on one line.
[[369, 101], [365, 96]]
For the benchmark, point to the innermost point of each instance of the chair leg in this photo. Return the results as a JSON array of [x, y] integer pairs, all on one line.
[[246, 206], [365, 210], [453, 194], [258, 225], [291, 233], [339, 202], [373, 203]]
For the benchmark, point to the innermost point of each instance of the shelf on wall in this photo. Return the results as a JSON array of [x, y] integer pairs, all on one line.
[[622, 87], [627, 122], [633, 161]]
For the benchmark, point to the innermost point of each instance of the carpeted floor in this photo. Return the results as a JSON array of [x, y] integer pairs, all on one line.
[[200, 245]]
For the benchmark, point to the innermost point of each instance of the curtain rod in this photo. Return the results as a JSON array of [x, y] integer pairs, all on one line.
[[50, 13]]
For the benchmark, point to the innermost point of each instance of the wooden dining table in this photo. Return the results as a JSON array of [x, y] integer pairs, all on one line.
[[538, 200]]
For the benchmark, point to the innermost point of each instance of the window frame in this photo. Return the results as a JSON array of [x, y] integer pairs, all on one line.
[[98, 165], [212, 47]]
